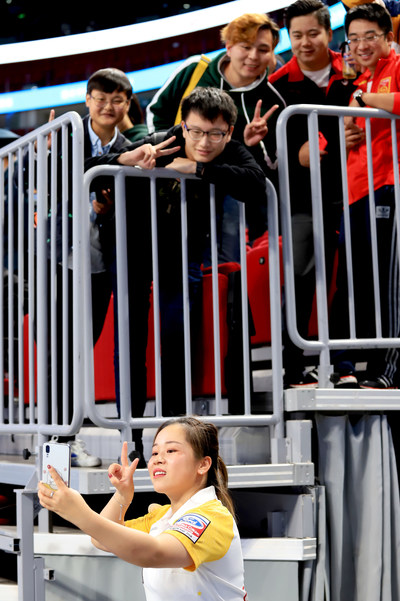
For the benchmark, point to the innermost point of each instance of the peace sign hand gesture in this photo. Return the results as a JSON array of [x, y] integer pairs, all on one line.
[[257, 129], [121, 476], [145, 156]]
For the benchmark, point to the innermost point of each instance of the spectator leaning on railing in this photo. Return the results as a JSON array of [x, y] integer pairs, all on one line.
[[207, 150]]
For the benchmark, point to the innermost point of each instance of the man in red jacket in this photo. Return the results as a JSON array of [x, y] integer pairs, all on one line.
[[369, 30], [312, 76]]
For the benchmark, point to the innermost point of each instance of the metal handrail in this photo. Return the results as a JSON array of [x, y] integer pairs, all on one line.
[[34, 173], [323, 344], [125, 423]]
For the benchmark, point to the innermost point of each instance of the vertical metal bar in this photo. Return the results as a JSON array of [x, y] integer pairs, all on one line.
[[25, 558], [54, 301], [245, 310], [215, 302], [40, 589], [122, 299], [347, 228], [41, 289], [32, 206], [67, 311], [397, 210], [186, 299], [374, 239], [10, 303], [285, 209], [75, 166], [325, 368], [20, 298], [84, 257], [275, 308], [156, 296]]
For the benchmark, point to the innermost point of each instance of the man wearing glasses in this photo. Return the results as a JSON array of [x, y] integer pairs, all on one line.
[[369, 31]]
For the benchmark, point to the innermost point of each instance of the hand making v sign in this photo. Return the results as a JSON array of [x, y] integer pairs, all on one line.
[[257, 129]]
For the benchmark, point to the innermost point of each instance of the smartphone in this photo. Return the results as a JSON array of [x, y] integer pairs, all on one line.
[[58, 455]]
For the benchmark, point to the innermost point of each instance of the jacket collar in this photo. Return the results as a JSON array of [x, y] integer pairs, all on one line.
[[381, 64], [296, 74]]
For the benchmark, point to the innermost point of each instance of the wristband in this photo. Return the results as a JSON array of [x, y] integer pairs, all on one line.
[[199, 169]]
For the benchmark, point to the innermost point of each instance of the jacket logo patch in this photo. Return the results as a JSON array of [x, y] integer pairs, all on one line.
[[384, 85], [382, 212], [191, 525]]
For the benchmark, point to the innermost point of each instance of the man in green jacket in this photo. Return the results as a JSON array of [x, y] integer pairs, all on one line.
[[242, 71]]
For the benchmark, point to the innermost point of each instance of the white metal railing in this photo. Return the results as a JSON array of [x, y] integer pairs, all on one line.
[[125, 422], [47, 230], [40, 191], [323, 344]]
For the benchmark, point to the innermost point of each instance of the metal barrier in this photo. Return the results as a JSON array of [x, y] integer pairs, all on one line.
[[40, 190], [48, 310], [324, 344], [44, 200], [42, 241], [126, 422]]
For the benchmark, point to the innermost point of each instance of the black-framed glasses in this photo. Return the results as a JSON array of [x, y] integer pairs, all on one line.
[[370, 38], [215, 135], [101, 101]]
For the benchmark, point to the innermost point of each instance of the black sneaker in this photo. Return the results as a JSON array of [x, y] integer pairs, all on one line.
[[310, 380], [379, 383], [346, 381]]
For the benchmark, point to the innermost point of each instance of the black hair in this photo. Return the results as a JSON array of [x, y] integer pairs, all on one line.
[[300, 8], [375, 13], [109, 80], [210, 103], [135, 110]]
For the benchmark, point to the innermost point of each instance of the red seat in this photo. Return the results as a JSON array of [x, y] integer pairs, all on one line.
[[103, 357], [258, 289], [203, 376], [104, 378], [26, 361]]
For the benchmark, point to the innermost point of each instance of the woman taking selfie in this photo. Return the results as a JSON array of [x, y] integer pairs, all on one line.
[[189, 549]]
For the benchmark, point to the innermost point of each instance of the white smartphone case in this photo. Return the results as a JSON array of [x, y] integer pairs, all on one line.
[[58, 455]]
